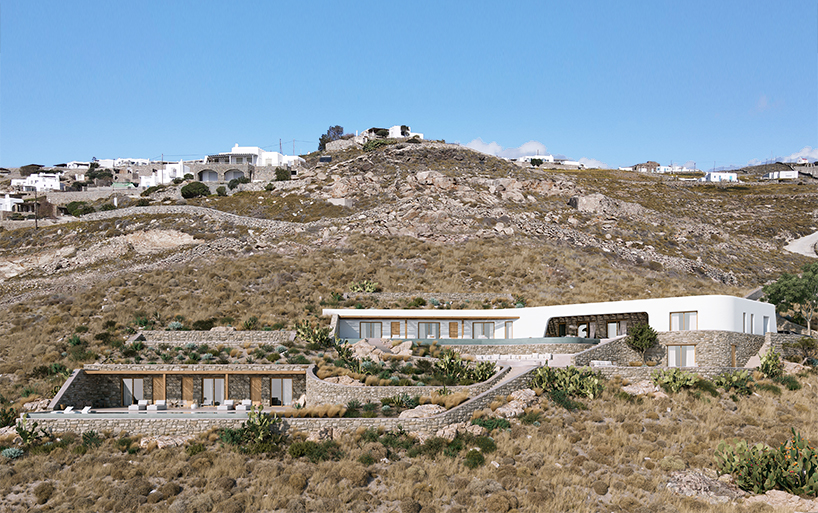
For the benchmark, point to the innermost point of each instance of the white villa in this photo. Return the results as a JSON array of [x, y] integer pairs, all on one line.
[[255, 156], [589, 320], [39, 182], [719, 176], [781, 175], [544, 158], [165, 175], [7, 203]]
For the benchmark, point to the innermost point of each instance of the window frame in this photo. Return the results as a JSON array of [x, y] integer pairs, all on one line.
[[482, 324], [371, 324], [133, 388], [685, 320], [282, 388], [681, 352], [429, 323]]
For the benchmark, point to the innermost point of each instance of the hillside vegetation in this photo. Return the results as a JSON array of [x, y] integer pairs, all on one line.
[[424, 218]]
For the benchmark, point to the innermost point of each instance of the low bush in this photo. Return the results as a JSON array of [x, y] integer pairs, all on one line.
[[12, 453], [195, 190], [492, 424], [571, 381], [674, 379], [474, 459], [282, 175], [740, 381], [315, 451], [771, 365], [790, 382]]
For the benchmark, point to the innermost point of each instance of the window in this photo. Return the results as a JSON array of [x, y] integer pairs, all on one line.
[[683, 321], [681, 356], [132, 391], [509, 329], [562, 329], [766, 326], [370, 330], [281, 391], [752, 323], [612, 329], [483, 330], [212, 391], [744, 322], [428, 330], [582, 330]]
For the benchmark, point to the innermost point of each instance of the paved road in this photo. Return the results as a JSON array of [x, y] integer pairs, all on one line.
[[804, 246]]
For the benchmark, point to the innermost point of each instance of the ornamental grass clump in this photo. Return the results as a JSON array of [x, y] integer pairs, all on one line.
[[571, 381]]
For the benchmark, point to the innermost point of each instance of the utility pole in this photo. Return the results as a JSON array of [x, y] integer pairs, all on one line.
[[36, 207], [280, 148]]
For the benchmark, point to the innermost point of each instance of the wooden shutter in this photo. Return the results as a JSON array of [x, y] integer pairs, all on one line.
[[453, 330], [255, 390], [158, 388], [187, 390], [396, 329]]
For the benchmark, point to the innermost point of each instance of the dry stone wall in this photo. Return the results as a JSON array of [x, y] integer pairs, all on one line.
[[227, 338], [520, 348], [323, 392]]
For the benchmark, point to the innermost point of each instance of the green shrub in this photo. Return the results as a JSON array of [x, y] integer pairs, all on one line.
[[740, 381], [570, 380], [790, 382], [417, 302], [203, 325], [8, 416], [769, 387], [194, 449], [143, 202], [366, 459], [492, 424], [474, 459], [315, 452], [232, 184], [282, 175], [674, 379], [771, 364], [485, 444], [107, 206], [221, 191], [195, 190]]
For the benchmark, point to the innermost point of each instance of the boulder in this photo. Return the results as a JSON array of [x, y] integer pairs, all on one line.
[[422, 411], [511, 410]]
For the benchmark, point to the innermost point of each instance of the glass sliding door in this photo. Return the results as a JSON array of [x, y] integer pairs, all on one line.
[[281, 391], [212, 391], [132, 391]]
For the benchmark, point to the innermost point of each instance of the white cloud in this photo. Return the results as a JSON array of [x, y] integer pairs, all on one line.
[[689, 164], [492, 148], [763, 103], [807, 152], [593, 163]]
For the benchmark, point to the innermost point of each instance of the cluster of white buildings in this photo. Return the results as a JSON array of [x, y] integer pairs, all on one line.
[[39, 182], [255, 156]]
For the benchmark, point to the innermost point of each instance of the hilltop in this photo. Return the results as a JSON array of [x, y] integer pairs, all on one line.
[[418, 219]]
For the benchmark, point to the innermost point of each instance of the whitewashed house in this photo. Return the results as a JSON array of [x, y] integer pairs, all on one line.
[[255, 156], [544, 158], [781, 175], [399, 131], [165, 175], [39, 182], [7, 203], [719, 176]]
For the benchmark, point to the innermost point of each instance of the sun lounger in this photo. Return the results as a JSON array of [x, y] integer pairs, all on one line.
[[134, 408], [86, 410], [68, 409]]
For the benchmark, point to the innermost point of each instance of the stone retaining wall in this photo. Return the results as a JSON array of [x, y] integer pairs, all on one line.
[[713, 349], [226, 338], [633, 374], [521, 349], [323, 392], [777, 341]]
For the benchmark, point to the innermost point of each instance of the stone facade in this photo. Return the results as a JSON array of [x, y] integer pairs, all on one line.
[[713, 349], [634, 374], [323, 392]]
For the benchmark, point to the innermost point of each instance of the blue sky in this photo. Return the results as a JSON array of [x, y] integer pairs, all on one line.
[[620, 82]]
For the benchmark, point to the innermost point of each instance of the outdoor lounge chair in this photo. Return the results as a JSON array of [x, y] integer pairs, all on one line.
[[158, 406], [68, 409], [86, 410]]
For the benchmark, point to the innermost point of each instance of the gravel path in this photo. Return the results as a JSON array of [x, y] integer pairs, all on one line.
[[804, 246]]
